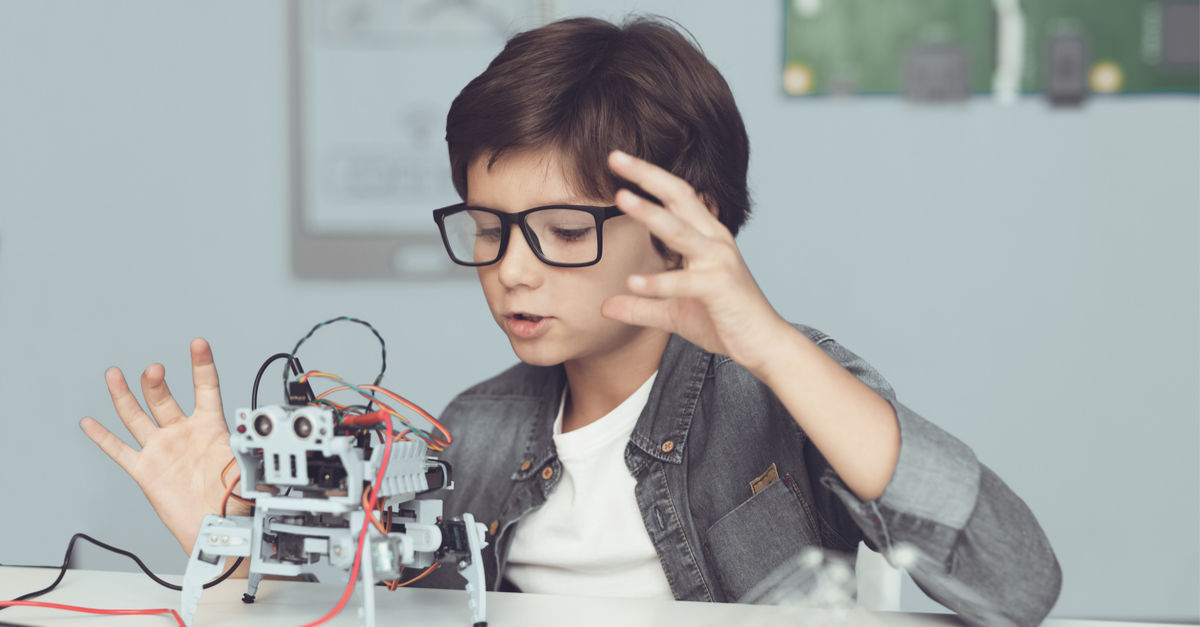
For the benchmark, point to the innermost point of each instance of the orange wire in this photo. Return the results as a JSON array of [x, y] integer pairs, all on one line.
[[371, 514], [317, 373], [225, 471], [418, 577], [225, 485], [343, 388], [391, 585], [228, 493], [413, 406], [243, 501], [395, 583]]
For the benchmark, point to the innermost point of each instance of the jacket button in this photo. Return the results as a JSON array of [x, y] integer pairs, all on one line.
[[493, 527], [668, 446], [547, 472], [525, 465]]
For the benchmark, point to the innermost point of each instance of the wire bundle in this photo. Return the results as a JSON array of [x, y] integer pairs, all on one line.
[[368, 392]]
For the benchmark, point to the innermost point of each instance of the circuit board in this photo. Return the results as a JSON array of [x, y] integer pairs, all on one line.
[[948, 49]]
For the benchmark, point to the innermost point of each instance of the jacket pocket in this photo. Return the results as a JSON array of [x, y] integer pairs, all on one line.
[[756, 537]]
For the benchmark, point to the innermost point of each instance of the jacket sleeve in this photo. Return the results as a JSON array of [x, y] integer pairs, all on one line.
[[965, 538]]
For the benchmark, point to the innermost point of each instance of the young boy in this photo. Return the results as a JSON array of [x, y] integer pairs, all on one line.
[[667, 432]]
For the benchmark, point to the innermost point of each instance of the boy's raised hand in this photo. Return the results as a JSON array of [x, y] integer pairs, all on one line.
[[712, 300], [179, 464]]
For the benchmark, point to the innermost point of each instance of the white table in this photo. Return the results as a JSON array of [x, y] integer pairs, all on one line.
[[288, 603]]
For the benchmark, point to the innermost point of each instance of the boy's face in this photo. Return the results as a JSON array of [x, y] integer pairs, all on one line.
[[519, 288]]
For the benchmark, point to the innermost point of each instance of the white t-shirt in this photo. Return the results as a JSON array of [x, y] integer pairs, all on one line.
[[589, 538]]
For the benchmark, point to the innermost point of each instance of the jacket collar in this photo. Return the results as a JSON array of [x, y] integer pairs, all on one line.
[[661, 430], [539, 439]]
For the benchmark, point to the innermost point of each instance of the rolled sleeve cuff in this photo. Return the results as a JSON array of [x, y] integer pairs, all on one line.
[[930, 497]]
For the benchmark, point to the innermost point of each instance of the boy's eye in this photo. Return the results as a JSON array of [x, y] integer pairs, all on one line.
[[568, 234], [489, 234]]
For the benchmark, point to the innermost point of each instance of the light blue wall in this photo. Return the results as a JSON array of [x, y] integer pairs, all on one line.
[[1029, 279]]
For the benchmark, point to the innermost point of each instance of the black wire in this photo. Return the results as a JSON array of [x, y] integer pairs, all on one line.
[[67, 560], [292, 361], [382, 345]]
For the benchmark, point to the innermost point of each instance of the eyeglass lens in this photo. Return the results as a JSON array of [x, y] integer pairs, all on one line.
[[560, 235]]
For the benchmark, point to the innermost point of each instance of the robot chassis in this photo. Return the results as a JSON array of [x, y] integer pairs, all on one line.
[[307, 481]]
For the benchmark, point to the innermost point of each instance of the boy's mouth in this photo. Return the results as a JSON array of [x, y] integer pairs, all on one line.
[[527, 326]]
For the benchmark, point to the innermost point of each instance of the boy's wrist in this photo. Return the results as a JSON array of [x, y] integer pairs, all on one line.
[[782, 351]]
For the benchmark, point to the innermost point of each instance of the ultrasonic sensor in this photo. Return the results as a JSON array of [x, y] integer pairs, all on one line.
[[263, 425], [302, 426]]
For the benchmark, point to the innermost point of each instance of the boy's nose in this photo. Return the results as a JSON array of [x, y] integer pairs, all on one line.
[[519, 266]]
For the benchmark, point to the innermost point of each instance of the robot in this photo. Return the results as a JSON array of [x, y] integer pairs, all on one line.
[[312, 471]]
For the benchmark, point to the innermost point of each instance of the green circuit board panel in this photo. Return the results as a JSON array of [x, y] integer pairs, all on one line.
[[859, 46], [1130, 46], [949, 49]]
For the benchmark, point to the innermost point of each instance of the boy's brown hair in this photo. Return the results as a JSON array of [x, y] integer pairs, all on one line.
[[583, 87]]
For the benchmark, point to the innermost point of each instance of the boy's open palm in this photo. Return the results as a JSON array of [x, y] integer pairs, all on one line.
[[179, 464]]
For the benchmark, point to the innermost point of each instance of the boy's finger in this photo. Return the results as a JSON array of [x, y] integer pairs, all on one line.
[[158, 396], [638, 311], [671, 284], [112, 446], [675, 193], [139, 424], [204, 377], [676, 233]]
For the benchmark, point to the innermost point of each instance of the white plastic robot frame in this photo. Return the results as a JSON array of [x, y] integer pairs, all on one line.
[[307, 482]]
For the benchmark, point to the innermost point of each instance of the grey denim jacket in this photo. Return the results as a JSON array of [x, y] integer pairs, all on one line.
[[730, 488]]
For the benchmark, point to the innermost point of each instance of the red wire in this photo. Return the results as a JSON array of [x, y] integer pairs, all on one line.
[[92, 610], [364, 420], [362, 534]]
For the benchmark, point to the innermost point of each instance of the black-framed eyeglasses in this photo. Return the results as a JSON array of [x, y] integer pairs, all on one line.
[[567, 236]]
